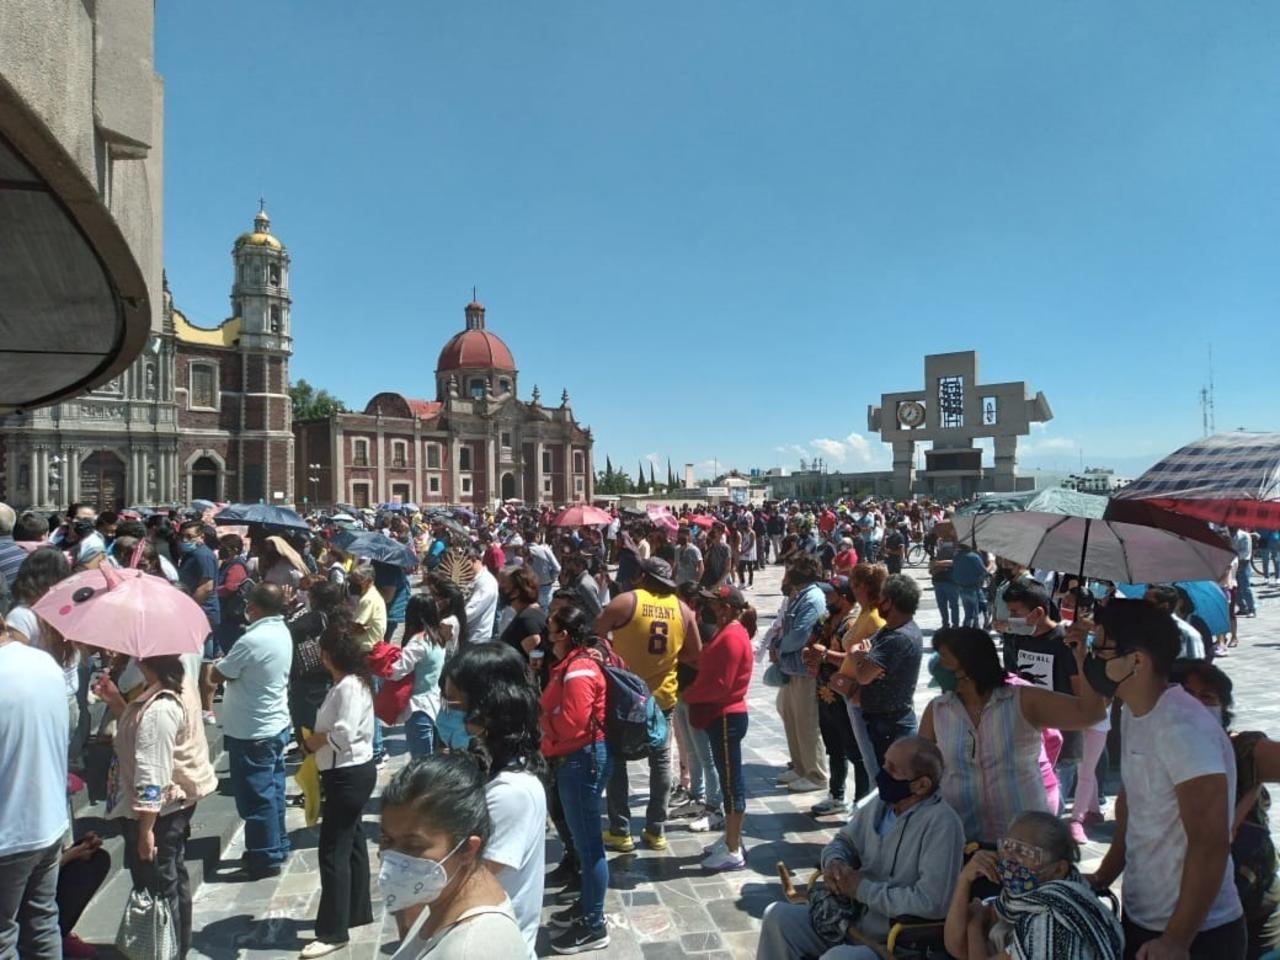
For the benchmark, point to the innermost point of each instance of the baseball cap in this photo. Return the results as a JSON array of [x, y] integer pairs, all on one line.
[[725, 594], [658, 569]]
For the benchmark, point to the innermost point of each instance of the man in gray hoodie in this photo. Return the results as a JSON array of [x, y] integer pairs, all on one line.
[[899, 856]]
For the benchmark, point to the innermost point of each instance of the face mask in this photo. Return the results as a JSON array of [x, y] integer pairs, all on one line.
[[451, 725], [891, 791], [188, 547], [82, 528], [1095, 671], [1019, 627], [1216, 710], [406, 881], [1016, 878]]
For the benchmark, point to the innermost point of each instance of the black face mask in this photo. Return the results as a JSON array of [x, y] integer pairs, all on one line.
[[890, 789], [82, 528], [1095, 672]]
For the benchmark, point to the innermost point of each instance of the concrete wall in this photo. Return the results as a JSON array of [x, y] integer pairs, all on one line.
[[87, 72]]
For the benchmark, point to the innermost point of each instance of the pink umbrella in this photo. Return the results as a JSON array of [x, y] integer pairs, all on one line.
[[127, 611], [582, 516]]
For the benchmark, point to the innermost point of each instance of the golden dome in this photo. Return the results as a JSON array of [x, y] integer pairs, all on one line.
[[258, 239]]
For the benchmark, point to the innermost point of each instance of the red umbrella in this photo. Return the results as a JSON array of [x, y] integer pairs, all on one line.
[[582, 516], [701, 520], [1228, 478]]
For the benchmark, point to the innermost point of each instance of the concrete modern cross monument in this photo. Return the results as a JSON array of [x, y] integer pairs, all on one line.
[[953, 410]]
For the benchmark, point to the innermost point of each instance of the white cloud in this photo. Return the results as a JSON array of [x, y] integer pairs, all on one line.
[[854, 452], [654, 459]]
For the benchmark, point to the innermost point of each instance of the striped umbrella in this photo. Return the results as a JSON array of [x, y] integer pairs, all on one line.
[[1228, 478]]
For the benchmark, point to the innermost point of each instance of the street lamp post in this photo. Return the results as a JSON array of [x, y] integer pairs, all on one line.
[[314, 478]]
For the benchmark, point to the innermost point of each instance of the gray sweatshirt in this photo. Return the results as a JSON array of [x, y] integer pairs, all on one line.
[[911, 870]]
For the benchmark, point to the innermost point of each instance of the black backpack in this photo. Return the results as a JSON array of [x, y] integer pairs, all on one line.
[[233, 608], [634, 725]]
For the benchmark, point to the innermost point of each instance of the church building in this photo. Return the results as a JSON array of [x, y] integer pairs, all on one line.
[[201, 414], [475, 444]]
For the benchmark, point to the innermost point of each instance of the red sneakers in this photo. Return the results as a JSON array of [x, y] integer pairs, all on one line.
[[76, 949]]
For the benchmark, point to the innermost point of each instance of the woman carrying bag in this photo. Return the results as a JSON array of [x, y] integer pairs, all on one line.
[[343, 746], [161, 770]]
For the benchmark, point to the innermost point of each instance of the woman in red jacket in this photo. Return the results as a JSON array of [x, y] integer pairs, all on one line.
[[573, 741], [717, 702]]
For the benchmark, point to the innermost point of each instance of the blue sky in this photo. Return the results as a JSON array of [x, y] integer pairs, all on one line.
[[728, 227]]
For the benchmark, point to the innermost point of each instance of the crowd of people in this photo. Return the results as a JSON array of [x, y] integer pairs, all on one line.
[[528, 663]]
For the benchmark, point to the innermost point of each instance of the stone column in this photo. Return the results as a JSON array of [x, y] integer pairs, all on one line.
[[904, 467], [73, 475], [338, 462], [1006, 472], [419, 452], [569, 495], [537, 474], [456, 470], [380, 442], [34, 488], [493, 493]]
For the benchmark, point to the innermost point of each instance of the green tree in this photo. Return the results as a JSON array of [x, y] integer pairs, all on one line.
[[312, 404]]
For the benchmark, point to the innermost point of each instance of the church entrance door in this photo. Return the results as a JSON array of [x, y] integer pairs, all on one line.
[[204, 479], [102, 480]]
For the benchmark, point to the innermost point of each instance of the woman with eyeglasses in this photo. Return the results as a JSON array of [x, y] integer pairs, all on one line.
[[1044, 909], [989, 731], [436, 830], [573, 741], [1253, 852]]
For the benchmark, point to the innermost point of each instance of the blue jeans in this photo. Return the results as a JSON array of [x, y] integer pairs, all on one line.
[[948, 596], [726, 733], [257, 781], [863, 739], [1270, 560], [1244, 588], [971, 601], [885, 728], [419, 734], [378, 752], [704, 782], [580, 778]]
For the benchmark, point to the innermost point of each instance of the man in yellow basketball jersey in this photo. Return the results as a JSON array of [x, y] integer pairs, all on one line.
[[653, 629]]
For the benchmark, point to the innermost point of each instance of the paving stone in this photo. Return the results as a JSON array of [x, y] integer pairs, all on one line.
[[662, 905]]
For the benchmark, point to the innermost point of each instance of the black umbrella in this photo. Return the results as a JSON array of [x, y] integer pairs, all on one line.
[[374, 546], [261, 514]]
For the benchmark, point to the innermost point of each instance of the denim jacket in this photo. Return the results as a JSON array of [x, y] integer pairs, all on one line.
[[803, 613]]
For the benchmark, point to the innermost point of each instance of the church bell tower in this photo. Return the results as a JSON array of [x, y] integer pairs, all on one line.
[[260, 294]]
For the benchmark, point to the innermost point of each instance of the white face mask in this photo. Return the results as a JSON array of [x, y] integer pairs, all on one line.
[[1019, 627], [1216, 710], [406, 881]]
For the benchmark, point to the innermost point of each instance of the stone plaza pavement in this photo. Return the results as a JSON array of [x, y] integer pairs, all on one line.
[[661, 905]]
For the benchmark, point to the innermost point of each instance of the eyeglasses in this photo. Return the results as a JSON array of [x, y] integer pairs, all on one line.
[[1024, 853]]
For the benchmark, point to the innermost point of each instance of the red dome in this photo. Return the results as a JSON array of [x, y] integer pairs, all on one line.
[[475, 350]]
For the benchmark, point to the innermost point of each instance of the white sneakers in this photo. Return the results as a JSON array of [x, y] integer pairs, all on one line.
[[803, 785], [711, 820], [721, 858], [318, 948], [787, 776]]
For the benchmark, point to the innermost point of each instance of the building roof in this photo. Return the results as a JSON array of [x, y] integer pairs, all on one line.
[[475, 350], [224, 335], [390, 404]]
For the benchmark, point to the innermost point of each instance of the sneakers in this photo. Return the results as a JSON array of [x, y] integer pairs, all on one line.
[[713, 847], [804, 785], [565, 873], [580, 938], [679, 797], [654, 841], [566, 918], [829, 806], [711, 820], [724, 859], [1077, 832], [618, 842], [787, 777], [571, 893], [76, 949], [690, 808], [209, 719]]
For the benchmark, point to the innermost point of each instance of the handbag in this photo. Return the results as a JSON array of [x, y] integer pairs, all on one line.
[[147, 930], [774, 677], [831, 914]]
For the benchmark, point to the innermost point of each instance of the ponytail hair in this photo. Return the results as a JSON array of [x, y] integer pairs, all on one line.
[[748, 620]]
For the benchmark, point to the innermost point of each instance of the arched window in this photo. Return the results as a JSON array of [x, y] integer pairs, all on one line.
[[202, 390], [476, 388], [274, 273], [275, 319]]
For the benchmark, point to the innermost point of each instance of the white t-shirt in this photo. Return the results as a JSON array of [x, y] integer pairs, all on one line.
[[481, 607], [481, 933], [517, 804], [1177, 741], [346, 715], [33, 743], [24, 620]]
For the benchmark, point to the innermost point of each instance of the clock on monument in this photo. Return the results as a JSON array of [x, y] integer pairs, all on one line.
[[911, 414]]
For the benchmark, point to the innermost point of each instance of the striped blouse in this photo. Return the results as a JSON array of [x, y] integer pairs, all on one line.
[[991, 774]]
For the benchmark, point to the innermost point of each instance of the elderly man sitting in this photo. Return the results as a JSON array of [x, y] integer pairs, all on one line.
[[899, 856]]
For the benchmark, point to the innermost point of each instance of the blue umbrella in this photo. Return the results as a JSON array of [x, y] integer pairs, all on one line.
[[374, 546], [1208, 599], [261, 514]]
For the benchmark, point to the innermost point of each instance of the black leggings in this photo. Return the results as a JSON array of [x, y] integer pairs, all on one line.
[[842, 748], [344, 852], [747, 568], [78, 881], [167, 873]]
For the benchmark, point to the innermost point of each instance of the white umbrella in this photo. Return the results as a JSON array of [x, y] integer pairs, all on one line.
[[1102, 549]]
